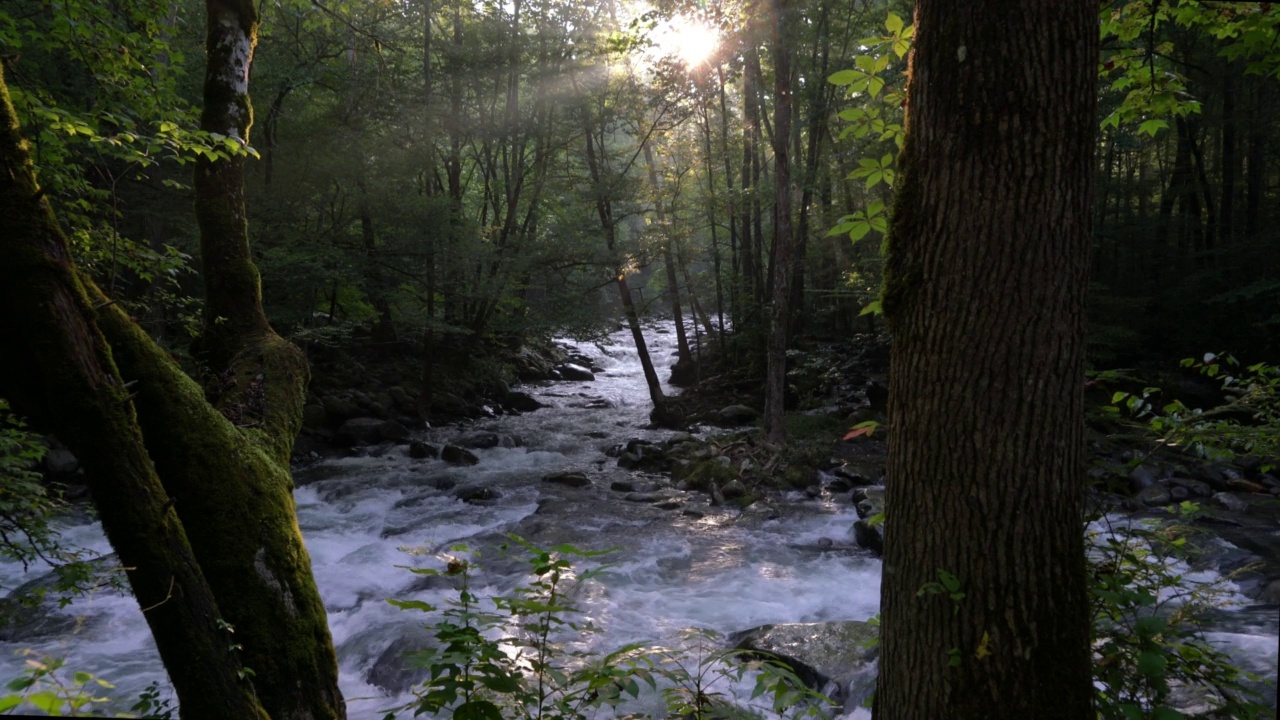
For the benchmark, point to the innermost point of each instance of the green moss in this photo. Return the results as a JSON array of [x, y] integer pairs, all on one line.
[[233, 492], [65, 377], [702, 474]]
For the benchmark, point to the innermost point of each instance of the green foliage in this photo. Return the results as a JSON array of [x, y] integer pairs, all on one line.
[[151, 704], [1140, 60], [520, 659], [1148, 626], [44, 686], [25, 505], [1248, 423], [873, 122]]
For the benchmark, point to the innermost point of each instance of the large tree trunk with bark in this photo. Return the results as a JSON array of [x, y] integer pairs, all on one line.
[[985, 298], [59, 370]]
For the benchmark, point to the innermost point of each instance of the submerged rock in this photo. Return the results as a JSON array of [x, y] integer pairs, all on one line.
[[419, 450], [522, 401], [568, 479], [458, 456], [570, 371]]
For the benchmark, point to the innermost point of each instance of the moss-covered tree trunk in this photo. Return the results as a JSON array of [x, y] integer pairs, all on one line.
[[58, 369], [226, 465]]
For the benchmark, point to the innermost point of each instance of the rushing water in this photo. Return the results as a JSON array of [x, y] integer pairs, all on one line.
[[363, 516]]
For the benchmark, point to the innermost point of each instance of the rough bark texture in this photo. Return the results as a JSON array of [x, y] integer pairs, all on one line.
[[775, 428], [985, 297], [65, 378]]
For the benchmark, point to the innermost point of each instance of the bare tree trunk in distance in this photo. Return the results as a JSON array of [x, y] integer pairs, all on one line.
[[684, 357], [775, 429], [986, 275]]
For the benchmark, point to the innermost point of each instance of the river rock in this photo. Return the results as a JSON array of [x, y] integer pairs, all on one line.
[[401, 397], [737, 415], [679, 438], [838, 658], [646, 497], [733, 489], [477, 494], [1270, 594], [314, 415], [458, 456], [484, 439], [395, 669], [571, 371], [568, 479], [622, 486], [60, 462], [1230, 502], [339, 408], [868, 536], [1141, 477], [1196, 488], [419, 450], [393, 430], [1154, 496], [522, 401], [359, 431]]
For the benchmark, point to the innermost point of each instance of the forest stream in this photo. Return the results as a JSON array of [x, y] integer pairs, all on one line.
[[678, 562]]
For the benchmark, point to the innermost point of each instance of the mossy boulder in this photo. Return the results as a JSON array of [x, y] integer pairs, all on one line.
[[835, 658]]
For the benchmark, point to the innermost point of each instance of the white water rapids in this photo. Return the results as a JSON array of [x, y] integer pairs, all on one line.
[[726, 571]]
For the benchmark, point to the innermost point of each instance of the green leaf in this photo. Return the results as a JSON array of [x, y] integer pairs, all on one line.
[[843, 77], [873, 308], [46, 700], [893, 23], [9, 702], [1151, 127], [411, 605], [1151, 663], [1149, 627], [477, 710], [500, 683]]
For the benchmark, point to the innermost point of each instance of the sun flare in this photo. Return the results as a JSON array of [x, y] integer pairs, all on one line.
[[690, 41]]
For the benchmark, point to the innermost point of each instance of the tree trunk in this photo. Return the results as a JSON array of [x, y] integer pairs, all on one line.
[[985, 296], [775, 429], [661, 414], [684, 357], [66, 380], [228, 468], [1230, 157]]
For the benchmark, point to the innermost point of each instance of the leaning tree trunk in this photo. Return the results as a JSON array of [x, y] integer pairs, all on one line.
[[59, 370], [985, 297]]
